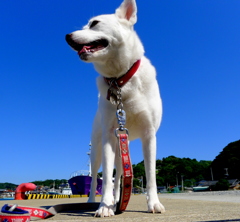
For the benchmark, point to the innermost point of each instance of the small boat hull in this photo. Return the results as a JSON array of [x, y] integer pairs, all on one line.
[[82, 184], [200, 188]]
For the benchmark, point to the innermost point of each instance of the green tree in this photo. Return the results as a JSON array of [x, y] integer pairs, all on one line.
[[139, 172], [171, 170], [228, 159], [8, 186]]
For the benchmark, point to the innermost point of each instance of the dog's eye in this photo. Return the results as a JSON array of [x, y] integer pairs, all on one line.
[[95, 22]]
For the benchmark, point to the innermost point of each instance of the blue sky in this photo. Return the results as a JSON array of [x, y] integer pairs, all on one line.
[[48, 97]]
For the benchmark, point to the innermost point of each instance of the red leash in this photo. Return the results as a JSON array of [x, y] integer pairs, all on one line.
[[115, 84], [126, 161], [127, 173]]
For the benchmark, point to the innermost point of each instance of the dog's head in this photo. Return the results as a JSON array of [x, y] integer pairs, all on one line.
[[104, 36]]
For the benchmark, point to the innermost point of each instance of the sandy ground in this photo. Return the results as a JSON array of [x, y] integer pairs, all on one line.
[[179, 207]]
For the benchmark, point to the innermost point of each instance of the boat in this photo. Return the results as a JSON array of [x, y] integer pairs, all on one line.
[[67, 191], [200, 188], [6, 195], [80, 181]]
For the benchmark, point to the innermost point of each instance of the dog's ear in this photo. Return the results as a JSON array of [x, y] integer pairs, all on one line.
[[128, 11]]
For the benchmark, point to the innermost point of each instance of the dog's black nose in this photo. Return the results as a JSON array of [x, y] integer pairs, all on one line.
[[68, 38]]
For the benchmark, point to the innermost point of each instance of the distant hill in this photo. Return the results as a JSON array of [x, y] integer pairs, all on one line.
[[227, 162], [9, 186]]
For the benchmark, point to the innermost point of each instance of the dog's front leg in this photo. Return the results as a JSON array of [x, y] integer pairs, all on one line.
[[149, 151], [95, 164], [96, 153], [119, 172], [108, 156]]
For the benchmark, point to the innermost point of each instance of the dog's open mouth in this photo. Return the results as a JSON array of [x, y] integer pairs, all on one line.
[[90, 47]]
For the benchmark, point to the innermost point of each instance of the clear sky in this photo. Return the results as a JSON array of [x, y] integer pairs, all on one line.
[[48, 97]]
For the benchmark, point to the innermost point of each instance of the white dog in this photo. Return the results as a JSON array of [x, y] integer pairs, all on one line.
[[111, 44]]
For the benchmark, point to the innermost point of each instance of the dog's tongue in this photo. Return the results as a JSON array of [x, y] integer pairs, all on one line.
[[84, 49]]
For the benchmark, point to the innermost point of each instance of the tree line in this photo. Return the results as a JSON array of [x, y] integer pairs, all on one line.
[[51, 183], [173, 170]]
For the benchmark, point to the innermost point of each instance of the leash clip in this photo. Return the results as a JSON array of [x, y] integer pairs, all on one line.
[[122, 129], [121, 117]]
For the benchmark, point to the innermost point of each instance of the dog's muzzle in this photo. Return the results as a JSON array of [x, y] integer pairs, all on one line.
[[88, 48]]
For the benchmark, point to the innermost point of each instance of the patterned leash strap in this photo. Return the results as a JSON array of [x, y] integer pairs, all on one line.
[[127, 177], [15, 213]]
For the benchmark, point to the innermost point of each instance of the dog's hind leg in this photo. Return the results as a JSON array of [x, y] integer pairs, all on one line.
[[96, 157], [149, 151]]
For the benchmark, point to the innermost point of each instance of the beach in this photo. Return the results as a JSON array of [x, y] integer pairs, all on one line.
[[204, 206]]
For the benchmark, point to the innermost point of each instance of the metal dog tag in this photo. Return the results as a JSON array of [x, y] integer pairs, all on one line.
[[113, 99], [111, 96]]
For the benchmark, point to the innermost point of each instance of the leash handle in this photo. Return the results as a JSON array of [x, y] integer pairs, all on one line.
[[12, 213]]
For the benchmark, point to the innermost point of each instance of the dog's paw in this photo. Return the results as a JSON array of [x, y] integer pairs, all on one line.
[[154, 206], [104, 211]]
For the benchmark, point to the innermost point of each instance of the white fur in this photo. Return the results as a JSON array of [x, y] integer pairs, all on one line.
[[141, 100]]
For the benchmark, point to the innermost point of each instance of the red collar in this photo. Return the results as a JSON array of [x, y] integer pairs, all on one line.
[[119, 82]]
